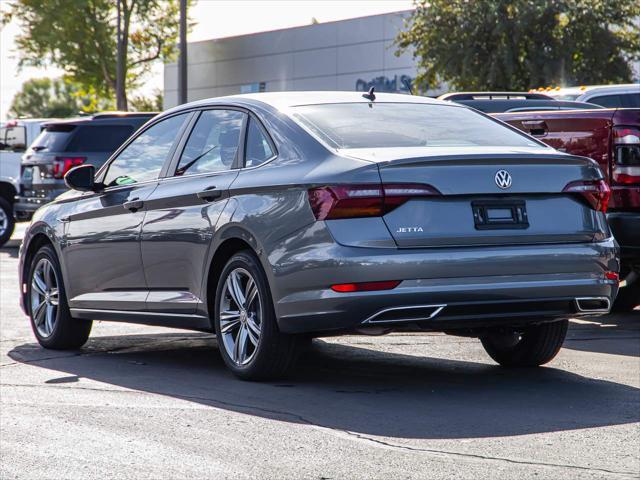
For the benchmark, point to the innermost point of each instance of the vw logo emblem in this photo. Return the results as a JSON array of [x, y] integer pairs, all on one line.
[[503, 179]]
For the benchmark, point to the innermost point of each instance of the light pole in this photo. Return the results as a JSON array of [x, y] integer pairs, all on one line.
[[182, 59]]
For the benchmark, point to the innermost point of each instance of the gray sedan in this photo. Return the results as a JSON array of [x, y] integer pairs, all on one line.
[[277, 217]]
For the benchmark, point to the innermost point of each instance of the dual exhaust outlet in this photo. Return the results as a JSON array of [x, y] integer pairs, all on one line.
[[417, 313]]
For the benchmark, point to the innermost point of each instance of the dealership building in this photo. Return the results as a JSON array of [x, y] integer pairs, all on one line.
[[352, 54]]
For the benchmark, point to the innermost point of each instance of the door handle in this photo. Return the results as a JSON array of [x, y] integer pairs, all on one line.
[[133, 205], [209, 193]]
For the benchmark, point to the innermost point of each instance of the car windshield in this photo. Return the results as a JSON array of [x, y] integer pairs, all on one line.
[[389, 125]]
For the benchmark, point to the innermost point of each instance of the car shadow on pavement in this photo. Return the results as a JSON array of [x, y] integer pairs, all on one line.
[[350, 388]]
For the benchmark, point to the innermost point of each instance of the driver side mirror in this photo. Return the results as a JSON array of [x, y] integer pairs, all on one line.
[[81, 178]]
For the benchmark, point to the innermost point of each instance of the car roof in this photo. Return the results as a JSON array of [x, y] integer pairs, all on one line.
[[583, 89], [284, 100], [107, 118], [494, 96], [25, 121]]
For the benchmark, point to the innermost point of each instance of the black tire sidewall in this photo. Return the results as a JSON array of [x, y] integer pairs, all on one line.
[[8, 210], [539, 345]]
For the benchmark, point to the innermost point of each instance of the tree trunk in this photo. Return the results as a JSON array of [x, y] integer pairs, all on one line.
[[124, 18]]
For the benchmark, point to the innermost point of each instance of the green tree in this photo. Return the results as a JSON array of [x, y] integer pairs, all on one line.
[[519, 44], [58, 98], [153, 103], [80, 36]]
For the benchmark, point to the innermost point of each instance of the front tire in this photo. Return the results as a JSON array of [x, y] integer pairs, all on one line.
[[51, 321], [7, 222], [532, 347], [249, 340]]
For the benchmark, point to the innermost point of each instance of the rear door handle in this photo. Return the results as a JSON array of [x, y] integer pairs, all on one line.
[[209, 193], [133, 205]]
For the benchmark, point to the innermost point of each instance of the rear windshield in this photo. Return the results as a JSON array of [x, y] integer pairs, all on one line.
[[99, 138], [13, 138], [383, 125]]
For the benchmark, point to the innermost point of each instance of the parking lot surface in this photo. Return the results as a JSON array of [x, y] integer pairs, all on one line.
[[141, 402]]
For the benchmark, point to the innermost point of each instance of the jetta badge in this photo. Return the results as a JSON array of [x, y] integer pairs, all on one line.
[[503, 179]]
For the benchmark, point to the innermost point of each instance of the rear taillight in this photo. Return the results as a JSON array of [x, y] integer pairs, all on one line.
[[595, 192], [62, 165], [365, 286], [369, 200], [626, 166]]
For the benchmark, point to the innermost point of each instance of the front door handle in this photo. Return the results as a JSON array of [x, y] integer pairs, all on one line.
[[209, 193], [133, 205]]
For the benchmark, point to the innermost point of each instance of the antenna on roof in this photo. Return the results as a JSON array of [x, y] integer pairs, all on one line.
[[370, 95]]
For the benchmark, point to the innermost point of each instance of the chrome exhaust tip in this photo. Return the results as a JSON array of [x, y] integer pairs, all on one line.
[[411, 313], [593, 304]]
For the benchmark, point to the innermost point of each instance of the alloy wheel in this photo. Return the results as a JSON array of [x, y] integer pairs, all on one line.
[[4, 222], [240, 316], [44, 297]]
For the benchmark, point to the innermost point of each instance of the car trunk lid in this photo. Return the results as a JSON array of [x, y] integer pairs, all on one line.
[[489, 196]]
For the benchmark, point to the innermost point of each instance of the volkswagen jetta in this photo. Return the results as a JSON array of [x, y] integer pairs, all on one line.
[[274, 218]]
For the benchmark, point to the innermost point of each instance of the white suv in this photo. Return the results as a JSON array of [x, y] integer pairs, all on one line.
[[610, 96]]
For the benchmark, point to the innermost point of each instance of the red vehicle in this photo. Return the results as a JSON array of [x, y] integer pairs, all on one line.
[[611, 137]]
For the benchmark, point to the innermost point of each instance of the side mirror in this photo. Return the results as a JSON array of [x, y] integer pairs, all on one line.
[[81, 178]]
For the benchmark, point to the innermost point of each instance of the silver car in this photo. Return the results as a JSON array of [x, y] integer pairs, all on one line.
[[277, 217]]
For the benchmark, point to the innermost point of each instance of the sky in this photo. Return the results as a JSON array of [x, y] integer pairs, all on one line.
[[214, 19]]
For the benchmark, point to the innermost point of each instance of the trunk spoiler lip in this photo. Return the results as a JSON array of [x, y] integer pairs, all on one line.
[[556, 158]]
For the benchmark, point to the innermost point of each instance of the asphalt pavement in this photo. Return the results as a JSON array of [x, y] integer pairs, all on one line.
[[141, 402]]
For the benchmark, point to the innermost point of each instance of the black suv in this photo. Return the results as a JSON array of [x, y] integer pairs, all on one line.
[[63, 145]]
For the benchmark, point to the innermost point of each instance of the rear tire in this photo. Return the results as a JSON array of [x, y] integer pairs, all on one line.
[[7, 221], [51, 321], [250, 343], [534, 346]]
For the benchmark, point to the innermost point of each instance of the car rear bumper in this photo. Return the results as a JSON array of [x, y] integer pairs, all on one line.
[[626, 230], [557, 276], [26, 205]]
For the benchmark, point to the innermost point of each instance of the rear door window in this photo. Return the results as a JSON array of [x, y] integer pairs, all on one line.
[[99, 138], [213, 143], [631, 100], [609, 101]]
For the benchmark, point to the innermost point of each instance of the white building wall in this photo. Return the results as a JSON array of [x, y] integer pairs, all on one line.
[[344, 55]]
